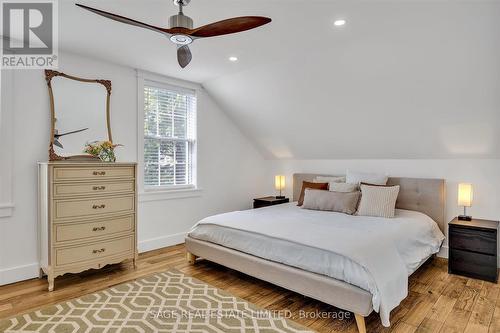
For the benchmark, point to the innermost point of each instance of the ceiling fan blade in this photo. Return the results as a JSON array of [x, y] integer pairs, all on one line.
[[57, 143], [72, 132], [229, 26], [184, 55], [125, 20]]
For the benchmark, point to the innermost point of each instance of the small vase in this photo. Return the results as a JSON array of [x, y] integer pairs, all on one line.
[[107, 156]]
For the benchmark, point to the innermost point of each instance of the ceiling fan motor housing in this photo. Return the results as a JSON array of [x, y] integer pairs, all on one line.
[[181, 21]]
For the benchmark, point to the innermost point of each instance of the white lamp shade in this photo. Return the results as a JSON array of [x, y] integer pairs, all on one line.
[[465, 195], [279, 183]]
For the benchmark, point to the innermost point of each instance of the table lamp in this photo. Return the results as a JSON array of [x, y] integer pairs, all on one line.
[[465, 200], [279, 184]]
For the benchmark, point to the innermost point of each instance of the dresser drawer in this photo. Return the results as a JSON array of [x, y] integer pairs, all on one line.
[[473, 240], [473, 264], [64, 209], [83, 231], [92, 173], [93, 188], [90, 252]]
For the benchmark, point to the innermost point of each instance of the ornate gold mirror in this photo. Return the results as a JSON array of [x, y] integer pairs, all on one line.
[[79, 114]]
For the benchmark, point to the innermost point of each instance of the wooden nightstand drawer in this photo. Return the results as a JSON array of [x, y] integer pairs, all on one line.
[[93, 173], [62, 190], [473, 264], [473, 248], [76, 255], [83, 208], [77, 232], [483, 241]]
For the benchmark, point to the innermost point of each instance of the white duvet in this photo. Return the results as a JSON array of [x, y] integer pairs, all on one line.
[[375, 254]]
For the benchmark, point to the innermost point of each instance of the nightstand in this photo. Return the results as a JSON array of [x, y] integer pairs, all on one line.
[[268, 201], [473, 248]]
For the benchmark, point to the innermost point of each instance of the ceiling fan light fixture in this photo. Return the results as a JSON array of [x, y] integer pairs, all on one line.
[[181, 39]]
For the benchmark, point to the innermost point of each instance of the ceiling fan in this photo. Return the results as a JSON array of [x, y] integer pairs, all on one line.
[[181, 31], [57, 136]]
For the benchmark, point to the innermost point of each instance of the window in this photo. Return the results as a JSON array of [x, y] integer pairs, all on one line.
[[169, 136]]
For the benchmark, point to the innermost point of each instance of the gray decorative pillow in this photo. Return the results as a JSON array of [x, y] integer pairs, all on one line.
[[343, 187], [378, 201], [331, 201]]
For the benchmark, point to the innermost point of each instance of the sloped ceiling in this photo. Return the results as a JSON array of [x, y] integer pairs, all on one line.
[[403, 79]]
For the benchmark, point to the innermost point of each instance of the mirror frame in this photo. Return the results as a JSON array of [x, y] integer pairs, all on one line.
[[49, 75]]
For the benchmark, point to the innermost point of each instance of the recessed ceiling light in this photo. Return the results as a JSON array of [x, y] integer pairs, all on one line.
[[233, 59], [339, 23]]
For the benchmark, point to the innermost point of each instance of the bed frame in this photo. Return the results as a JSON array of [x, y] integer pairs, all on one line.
[[423, 195]]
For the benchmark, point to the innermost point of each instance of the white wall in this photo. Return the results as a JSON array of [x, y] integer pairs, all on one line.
[[484, 174], [6, 137], [230, 170], [402, 79], [415, 82]]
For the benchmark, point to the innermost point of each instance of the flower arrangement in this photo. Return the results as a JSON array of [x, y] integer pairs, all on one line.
[[104, 150]]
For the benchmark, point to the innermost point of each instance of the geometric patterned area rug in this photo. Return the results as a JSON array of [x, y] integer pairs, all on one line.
[[163, 302]]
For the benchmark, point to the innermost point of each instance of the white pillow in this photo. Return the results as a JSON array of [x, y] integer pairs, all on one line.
[[342, 187], [364, 177], [329, 179], [379, 201]]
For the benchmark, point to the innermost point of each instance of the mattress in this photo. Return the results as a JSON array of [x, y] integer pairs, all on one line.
[[414, 237]]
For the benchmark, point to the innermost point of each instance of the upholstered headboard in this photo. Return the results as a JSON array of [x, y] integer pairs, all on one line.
[[418, 194]]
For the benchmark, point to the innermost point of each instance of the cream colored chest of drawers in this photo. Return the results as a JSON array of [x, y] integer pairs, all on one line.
[[87, 216]]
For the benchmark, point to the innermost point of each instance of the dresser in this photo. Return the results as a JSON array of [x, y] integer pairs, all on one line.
[[87, 216], [473, 248]]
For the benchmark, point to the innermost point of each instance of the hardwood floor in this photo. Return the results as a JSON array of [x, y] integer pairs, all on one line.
[[437, 302]]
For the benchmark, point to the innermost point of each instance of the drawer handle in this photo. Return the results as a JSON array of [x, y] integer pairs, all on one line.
[[99, 228], [99, 173], [99, 251], [99, 188], [99, 206]]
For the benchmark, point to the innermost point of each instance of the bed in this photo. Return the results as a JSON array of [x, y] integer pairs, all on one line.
[[335, 260]]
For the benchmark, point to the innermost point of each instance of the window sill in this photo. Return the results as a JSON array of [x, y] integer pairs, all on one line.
[[160, 195]]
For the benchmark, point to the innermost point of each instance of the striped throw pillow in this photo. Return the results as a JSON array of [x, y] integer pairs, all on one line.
[[378, 201]]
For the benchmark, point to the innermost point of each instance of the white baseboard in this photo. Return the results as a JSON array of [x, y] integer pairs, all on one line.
[[443, 252], [159, 242], [19, 273], [30, 271]]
